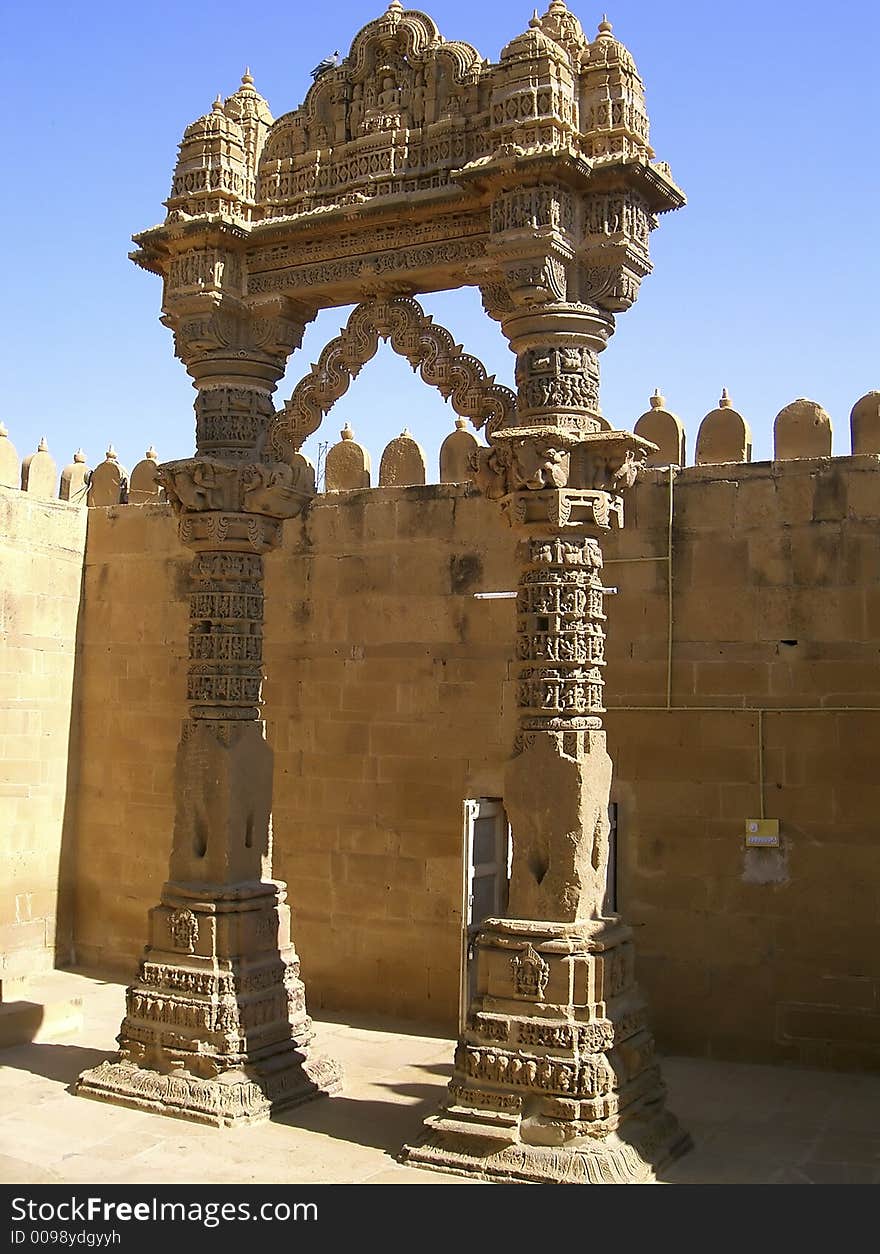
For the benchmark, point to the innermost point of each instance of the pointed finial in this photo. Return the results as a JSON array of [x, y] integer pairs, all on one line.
[[725, 402], [605, 27], [42, 447], [405, 435], [79, 456], [247, 79], [658, 401], [396, 6], [346, 432], [217, 106], [461, 423], [534, 20], [111, 454], [152, 454], [3, 431]]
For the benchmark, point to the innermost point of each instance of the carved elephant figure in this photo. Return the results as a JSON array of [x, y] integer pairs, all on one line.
[[196, 485], [539, 464], [278, 489], [489, 467]]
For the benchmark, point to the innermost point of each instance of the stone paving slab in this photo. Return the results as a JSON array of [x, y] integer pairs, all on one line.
[[750, 1124]]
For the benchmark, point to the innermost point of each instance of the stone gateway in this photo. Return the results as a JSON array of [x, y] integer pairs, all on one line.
[[413, 165]]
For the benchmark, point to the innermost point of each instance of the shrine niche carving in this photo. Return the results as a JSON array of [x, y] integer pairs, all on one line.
[[429, 348], [387, 120]]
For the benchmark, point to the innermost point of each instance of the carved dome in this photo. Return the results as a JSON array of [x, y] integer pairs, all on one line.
[[563, 28], [217, 122], [211, 175], [605, 50], [614, 116], [531, 43], [247, 103]]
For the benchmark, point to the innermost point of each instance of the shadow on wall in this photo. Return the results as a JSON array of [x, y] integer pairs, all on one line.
[[68, 864]]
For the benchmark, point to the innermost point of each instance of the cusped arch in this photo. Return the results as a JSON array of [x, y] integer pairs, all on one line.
[[401, 322], [344, 105], [413, 34]]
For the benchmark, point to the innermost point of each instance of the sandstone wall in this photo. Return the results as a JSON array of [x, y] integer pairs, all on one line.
[[775, 696], [41, 554], [389, 700], [132, 680], [386, 706], [389, 704]]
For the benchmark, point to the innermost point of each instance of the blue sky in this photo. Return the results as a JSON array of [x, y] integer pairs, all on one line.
[[766, 283]]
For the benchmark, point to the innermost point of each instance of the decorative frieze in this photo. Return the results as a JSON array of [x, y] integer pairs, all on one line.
[[367, 270], [533, 208], [206, 983], [205, 268], [227, 606], [226, 646], [593, 1077], [484, 1099], [489, 1027]]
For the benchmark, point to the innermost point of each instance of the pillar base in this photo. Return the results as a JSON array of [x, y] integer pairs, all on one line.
[[233, 1099], [216, 1029], [614, 1161], [555, 1079]]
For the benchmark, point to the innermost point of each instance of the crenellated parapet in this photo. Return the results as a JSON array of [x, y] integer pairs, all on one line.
[[724, 437]]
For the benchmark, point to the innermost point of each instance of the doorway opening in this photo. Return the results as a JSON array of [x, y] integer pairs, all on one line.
[[487, 852]]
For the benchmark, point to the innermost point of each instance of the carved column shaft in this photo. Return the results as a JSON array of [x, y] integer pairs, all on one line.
[[554, 1076], [557, 365], [216, 1028], [557, 783], [561, 634], [226, 636], [231, 421]]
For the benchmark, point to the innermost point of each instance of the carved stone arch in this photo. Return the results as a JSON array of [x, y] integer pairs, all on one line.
[[400, 321], [409, 31], [413, 34]]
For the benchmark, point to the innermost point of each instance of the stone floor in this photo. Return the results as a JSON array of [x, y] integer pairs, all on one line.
[[750, 1124]]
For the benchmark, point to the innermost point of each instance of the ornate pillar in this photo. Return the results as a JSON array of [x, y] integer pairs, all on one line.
[[216, 1028], [555, 1077]]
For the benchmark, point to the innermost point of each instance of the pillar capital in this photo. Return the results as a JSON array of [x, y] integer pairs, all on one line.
[[216, 335], [235, 505], [222, 341], [235, 354], [548, 480]]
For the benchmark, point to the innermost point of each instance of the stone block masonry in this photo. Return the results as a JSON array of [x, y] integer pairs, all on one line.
[[41, 562], [389, 699]]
